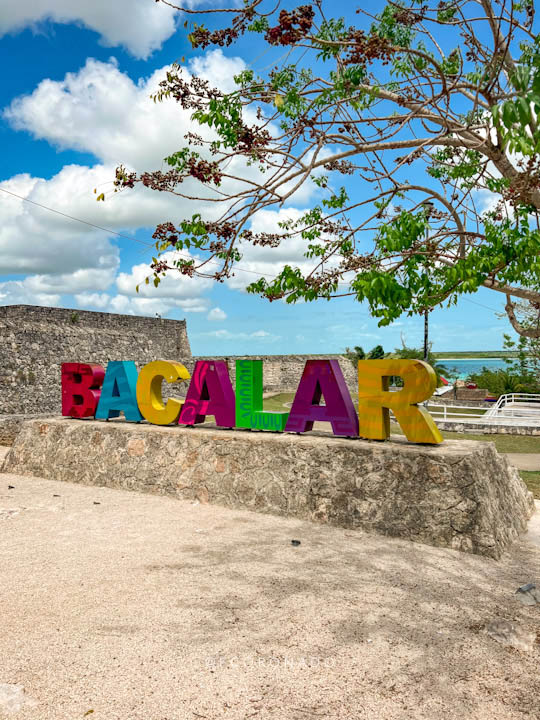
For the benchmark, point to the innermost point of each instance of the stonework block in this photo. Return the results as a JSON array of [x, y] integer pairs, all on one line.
[[461, 494], [37, 340]]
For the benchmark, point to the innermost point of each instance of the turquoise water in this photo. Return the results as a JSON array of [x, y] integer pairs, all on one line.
[[466, 366]]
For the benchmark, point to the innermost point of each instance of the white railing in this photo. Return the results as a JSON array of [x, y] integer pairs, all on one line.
[[521, 410], [516, 405], [453, 412]]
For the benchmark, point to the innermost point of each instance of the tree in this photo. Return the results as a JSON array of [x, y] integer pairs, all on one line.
[[528, 344], [502, 382], [376, 353], [354, 355], [432, 103], [408, 353]]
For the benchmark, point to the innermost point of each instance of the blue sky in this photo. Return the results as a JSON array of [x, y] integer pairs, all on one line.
[[75, 103]]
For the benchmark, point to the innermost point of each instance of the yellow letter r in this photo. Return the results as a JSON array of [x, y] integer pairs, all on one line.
[[375, 401]]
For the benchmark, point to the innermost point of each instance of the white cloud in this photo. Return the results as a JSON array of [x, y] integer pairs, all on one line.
[[174, 285], [92, 300], [155, 306], [268, 261], [100, 110], [216, 315], [68, 283], [174, 291], [141, 26], [17, 292], [256, 335], [33, 240]]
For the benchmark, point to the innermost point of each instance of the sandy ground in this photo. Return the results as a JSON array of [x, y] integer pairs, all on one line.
[[116, 605]]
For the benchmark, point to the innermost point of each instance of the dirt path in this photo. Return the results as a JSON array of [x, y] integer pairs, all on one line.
[[140, 607]]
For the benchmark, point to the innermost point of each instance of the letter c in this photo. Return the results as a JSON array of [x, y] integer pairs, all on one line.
[[149, 397]]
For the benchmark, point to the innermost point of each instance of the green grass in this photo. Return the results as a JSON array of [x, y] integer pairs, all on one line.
[[532, 481], [503, 443], [276, 403], [462, 411]]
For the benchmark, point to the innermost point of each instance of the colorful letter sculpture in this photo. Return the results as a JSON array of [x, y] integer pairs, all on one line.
[[88, 390], [375, 401], [118, 393], [81, 384], [323, 378], [149, 397], [249, 399], [210, 393]]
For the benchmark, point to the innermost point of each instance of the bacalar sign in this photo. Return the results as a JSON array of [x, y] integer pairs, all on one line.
[[89, 391]]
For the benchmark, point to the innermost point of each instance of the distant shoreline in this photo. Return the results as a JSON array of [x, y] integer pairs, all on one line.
[[474, 354]]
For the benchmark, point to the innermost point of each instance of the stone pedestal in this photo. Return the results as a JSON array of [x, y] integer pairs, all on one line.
[[461, 494]]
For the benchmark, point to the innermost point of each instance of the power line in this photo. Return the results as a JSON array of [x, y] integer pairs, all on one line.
[[149, 245], [114, 232], [474, 302], [72, 217]]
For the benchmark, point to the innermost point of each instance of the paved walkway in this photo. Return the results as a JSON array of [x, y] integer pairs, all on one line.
[[525, 461], [118, 605]]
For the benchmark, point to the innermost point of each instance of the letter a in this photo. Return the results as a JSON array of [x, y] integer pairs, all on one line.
[[375, 401], [323, 378], [119, 393], [210, 393]]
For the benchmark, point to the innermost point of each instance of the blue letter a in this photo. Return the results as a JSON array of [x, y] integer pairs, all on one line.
[[119, 392]]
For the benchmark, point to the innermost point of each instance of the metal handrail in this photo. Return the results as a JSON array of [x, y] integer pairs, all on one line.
[[513, 399], [511, 408]]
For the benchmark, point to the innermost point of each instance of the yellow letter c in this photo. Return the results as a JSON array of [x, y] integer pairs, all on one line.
[[149, 397]]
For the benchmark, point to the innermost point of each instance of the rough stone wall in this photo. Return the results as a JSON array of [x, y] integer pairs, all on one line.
[[477, 427], [282, 373], [449, 400], [465, 395], [34, 341], [462, 495], [10, 426]]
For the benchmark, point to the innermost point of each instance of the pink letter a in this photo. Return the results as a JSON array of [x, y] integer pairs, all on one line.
[[210, 392]]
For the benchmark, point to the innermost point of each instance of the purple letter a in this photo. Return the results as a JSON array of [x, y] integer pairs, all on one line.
[[210, 393], [323, 377]]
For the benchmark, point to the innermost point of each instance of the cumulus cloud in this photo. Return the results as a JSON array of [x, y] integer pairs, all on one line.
[[32, 240], [98, 301], [216, 315], [173, 285], [100, 110], [260, 335], [266, 261], [138, 25], [17, 292]]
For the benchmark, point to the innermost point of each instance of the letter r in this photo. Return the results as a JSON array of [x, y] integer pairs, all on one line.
[[375, 401]]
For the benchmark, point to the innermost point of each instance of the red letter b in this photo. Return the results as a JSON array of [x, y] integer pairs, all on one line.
[[80, 389]]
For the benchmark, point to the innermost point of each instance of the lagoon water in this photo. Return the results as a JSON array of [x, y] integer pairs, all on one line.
[[463, 367]]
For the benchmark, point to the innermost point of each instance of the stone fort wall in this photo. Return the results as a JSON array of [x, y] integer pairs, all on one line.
[[35, 341], [282, 373]]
